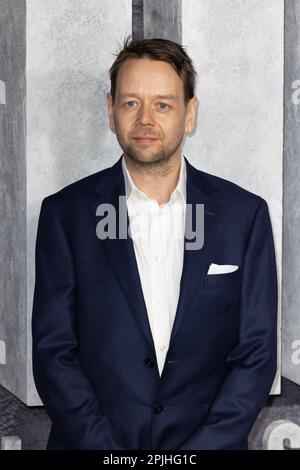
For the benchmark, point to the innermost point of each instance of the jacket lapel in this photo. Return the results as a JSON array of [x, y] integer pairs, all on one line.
[[120, 252], [195, 262], [121, 255]]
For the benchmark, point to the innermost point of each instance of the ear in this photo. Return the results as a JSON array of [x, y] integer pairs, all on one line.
[[190, 118], [110, 110]]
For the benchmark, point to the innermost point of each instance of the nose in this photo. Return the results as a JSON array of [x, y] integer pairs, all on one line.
[[145, 116]]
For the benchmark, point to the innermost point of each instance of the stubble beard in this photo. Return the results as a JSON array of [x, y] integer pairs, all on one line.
[[155, 159]]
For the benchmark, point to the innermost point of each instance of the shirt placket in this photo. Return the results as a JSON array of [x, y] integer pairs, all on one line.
[[159, 288]]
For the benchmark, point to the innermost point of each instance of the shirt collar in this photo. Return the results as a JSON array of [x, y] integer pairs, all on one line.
[[131, 189]]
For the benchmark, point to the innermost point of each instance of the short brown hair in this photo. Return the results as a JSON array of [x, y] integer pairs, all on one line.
[[156, 49]]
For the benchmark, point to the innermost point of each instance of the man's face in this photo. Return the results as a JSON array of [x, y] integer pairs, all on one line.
[[149, 115]]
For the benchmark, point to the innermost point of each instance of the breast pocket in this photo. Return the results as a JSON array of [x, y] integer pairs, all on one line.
[[225, 280]]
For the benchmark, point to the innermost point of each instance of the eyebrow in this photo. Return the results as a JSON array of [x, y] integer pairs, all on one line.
[[161, 97]]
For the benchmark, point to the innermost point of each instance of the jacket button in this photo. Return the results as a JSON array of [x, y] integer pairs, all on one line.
[[158, 408], [149, 362]]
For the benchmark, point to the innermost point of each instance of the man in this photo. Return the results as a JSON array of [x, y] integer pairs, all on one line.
[[144, 342]]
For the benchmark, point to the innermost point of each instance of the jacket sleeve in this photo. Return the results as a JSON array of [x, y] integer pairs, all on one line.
[[66, 392], [252, 362]]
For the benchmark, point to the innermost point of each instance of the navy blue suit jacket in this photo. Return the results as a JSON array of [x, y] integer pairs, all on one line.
[[94, 359]]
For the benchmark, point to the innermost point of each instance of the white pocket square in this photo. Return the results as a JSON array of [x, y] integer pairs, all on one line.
[[221, 268]]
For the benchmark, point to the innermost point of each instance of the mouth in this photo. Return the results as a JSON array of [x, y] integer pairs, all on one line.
[[145, 140]]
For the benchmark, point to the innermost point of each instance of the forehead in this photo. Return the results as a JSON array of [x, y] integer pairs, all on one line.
[[146, 76]]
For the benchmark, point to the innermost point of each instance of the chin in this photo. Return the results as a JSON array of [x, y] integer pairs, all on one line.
[[147, 159], [143, 156]]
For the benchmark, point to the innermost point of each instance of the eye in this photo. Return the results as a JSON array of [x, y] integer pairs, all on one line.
[[130, 104], [163, 106]]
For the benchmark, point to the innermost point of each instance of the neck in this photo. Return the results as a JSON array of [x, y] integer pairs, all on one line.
[[157, 182]]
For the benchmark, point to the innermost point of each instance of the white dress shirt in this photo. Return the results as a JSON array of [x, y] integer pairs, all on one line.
[[157, 232]]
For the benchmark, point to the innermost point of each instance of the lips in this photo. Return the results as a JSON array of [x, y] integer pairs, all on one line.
[[145, 139]]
